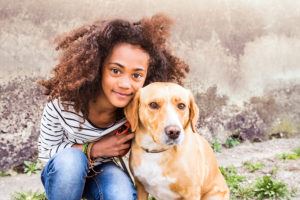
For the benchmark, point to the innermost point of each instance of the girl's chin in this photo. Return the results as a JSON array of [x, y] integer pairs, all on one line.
[[120, 104]]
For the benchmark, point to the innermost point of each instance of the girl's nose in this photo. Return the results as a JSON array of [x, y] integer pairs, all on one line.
[[124, 82]]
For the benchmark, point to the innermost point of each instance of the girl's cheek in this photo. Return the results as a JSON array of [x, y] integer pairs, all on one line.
[[137, 86]]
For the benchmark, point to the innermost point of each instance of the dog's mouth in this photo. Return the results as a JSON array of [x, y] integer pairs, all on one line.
[[172, 142], [170, 136], [150, 145]]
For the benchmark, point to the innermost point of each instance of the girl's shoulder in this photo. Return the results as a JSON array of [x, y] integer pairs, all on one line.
[[65, 109], [61, 105]]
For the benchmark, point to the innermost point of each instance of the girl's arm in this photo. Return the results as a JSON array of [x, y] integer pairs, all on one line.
[[110, 145], [51, 134]]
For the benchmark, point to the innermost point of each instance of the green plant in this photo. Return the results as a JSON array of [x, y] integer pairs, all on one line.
[[32, 167], [275, 170], [3, 174], [7, 173], [151, 198], [282, 156], [266, 187], [253, 167], [238, 190], [292, 157], [244, 192], [28, 195], [294, 191], [287, 156], [297, 151], [216, 146], [232, 142], [262, 188], [231, 177]]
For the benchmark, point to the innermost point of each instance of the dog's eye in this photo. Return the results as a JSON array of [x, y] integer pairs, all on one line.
[[181, 106], [153, 105]]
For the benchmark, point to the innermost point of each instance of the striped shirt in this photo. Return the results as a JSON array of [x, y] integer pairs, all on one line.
[[60, 129]]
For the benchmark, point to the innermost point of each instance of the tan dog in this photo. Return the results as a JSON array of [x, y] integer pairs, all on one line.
[[168, 158]]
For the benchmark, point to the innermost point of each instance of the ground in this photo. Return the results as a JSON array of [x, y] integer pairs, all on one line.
[[266, 152]]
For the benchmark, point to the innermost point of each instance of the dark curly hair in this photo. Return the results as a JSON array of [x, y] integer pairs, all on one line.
[[77, 76]]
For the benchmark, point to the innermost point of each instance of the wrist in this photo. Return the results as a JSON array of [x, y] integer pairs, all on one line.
[[78, 146]]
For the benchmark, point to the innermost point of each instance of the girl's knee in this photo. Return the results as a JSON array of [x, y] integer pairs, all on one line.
[[65, 171], [68, 161], [117, 185], [120, 191]]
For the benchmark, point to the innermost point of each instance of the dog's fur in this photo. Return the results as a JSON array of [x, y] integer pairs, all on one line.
[[164, 165]]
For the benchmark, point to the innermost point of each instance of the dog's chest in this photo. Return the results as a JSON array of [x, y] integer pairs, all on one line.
[[149, 173]]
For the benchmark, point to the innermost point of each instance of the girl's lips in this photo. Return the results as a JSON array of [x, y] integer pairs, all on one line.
[[122, 95]]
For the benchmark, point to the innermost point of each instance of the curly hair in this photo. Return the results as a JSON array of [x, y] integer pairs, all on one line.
[[77, 76]]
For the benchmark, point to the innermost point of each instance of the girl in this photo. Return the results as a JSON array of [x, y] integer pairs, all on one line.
[[100, 69]]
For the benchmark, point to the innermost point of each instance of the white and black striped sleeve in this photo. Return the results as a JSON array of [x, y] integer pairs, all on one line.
[[51, 139]]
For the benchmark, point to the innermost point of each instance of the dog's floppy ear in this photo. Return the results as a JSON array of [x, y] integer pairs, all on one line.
[[194, 112], [132, 111]]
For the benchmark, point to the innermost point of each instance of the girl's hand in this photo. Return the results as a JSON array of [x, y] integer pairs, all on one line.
[[112, 145]]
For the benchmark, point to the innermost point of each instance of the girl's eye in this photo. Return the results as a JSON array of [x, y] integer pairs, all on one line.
[[137, 76], [181, 106], [115, 71], [153, 105]]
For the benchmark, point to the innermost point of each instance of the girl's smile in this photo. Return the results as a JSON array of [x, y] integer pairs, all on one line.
[[122, 95]]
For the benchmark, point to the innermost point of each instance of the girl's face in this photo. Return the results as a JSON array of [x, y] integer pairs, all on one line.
[[124, 71]]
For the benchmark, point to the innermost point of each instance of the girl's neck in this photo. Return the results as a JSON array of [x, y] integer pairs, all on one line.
[[101, 115]]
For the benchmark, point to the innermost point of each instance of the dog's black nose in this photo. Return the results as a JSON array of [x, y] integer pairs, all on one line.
[[172, 131]]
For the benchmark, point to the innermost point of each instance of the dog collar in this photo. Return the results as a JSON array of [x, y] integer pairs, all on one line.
[[154, 151]]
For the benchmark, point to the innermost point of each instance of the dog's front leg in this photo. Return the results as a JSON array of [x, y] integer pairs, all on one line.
[[142, 194]]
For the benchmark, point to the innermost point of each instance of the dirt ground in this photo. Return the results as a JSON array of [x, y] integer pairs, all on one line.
[[288, 171], [265, 152]]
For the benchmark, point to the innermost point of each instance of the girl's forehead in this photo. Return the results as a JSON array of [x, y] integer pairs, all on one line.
[[127, 55]]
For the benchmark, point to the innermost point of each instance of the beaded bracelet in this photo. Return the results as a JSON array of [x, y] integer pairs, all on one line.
[[84, 148], [89, 149], [91, 161]]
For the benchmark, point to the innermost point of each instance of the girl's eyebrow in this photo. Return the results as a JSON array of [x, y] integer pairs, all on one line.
[[114, 63], [118, 64]]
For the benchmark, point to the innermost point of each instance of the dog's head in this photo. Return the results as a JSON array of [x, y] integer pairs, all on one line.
[[162, 112]]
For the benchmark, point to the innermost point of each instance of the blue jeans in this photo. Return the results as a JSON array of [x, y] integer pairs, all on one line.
[[64, 177]]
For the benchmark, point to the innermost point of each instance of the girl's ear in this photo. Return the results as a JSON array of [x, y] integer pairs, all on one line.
[[132, 111], [194, 113]]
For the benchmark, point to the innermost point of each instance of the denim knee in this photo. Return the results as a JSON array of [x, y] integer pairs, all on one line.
[[64, 174], [115, 184], [68, 162]]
